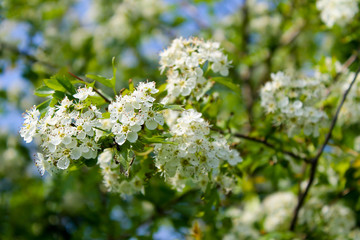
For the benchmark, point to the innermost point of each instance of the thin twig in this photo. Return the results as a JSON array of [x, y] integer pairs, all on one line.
[[96, 90], [127, 173], [265, 143], [314, 161], [269, 145], [347, 64]]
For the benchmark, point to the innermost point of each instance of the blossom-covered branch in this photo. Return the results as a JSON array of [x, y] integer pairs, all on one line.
[[315, 159]]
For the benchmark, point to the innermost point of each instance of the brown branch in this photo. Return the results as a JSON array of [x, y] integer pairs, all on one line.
[[347, 64], [96, 90], [315, 160]]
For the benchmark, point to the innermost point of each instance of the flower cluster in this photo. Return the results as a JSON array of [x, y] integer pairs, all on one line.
[[193, 156], [278, 209], [273, 214], [183, 62], [128, 113], [337, 11], [66, 132], [337, 220], [293, 102]]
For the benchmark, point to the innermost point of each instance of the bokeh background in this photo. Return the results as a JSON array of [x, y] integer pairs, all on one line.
[[41, 37]]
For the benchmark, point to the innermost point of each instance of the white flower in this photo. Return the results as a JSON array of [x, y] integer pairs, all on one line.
[[194, 153], [65, 134], [291, 102], [40, 163], [29, 128], [183, 62], [83, 93], [337, 11], [278, 208]]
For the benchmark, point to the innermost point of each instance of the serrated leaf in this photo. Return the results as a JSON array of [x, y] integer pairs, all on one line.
[[44, 91], [54, 84], [102, 80], [65, 82], [227, 83]]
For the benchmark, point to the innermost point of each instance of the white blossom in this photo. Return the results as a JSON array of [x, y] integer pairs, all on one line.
[[83, 93], [337, 11], [295, 102], [183, 62], [128, 113], [194, 154]]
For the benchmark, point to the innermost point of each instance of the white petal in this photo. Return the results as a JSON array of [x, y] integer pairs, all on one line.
[[51, 147], [120, 139], [159, 118], [81, 135], [63, 163], [67, 140], [75, 153], [135, 128], [151, 124], [132, 137]]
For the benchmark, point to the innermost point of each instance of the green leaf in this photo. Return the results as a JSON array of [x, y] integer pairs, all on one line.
[[174, 107], [54, 84], [159, 107], [138, 146], [53, 102], [131, 86], [102, 80], [90, 162], [60, 83], [155, 139], [106, 115], [57, 96], [65, 82], [43, 91], [227, 83], [42, 107], [95, 100]]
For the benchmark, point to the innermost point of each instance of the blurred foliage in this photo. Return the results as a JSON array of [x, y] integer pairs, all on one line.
[[41, 38]]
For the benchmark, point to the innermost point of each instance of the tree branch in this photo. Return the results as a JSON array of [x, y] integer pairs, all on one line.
[[265, 143], [315, 160], [96, 90], [269, 145]]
